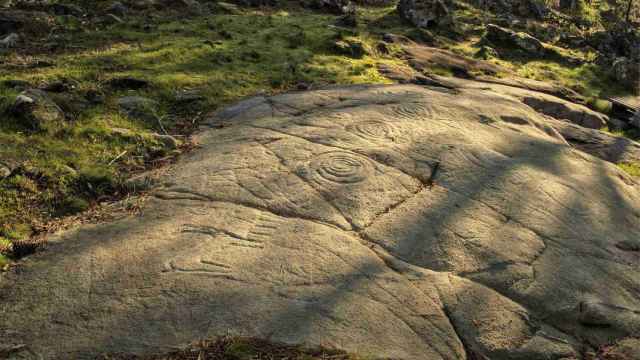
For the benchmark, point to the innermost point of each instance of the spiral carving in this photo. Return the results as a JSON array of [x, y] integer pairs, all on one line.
[[373, 130], [412, 110], [340, 167]]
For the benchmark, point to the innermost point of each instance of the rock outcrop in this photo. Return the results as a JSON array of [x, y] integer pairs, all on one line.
[[520, 40], [394, 221]]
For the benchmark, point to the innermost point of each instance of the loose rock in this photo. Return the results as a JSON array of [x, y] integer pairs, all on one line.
[[5, 171], [523, 41], [37, 111], [354, 48]]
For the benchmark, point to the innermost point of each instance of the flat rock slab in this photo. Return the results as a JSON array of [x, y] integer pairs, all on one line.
[[392, 221]]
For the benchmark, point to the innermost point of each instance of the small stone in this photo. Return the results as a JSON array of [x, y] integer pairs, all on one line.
[[37, 110], [167, 140], [593, 314], [351, 47], [188, 96], [5, 171]]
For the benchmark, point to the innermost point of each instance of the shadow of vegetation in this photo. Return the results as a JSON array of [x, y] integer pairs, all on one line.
[[185, 312]]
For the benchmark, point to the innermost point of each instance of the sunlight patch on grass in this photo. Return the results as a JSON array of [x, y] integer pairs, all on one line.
[[631, 169]]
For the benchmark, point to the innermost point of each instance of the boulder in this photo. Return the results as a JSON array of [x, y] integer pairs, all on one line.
[[391, 221], [424, 13], [37, 111], [523, 41], [352, 47], [139, 107]]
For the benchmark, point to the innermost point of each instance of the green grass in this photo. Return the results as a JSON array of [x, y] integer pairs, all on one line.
[[223, 57], [242, 348], [631, 169]]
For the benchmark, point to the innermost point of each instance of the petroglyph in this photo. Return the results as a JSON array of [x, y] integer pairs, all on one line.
[[412, 111], [374, 130], [340, 167], [389, 221]]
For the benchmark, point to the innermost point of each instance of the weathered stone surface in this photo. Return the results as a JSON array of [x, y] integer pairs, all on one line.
[[5, 170], [393, 221], [425, 57], [523, 41], [615, 149], [36, 110], [542, 102]]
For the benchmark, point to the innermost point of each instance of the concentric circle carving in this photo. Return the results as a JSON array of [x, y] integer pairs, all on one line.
[[373, 130], [340, 167]]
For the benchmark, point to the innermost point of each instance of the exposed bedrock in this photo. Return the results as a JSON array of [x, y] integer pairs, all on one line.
[[393, 221]]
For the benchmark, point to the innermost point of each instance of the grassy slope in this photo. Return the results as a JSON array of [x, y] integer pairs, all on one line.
[[224, 57]]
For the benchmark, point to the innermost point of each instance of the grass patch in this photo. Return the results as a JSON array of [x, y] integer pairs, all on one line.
[[631, 169], [221, 57], [242, 348]]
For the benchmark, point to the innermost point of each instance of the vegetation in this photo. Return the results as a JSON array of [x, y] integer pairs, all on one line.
[[238, 348], [631, 169], [234, 53]]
